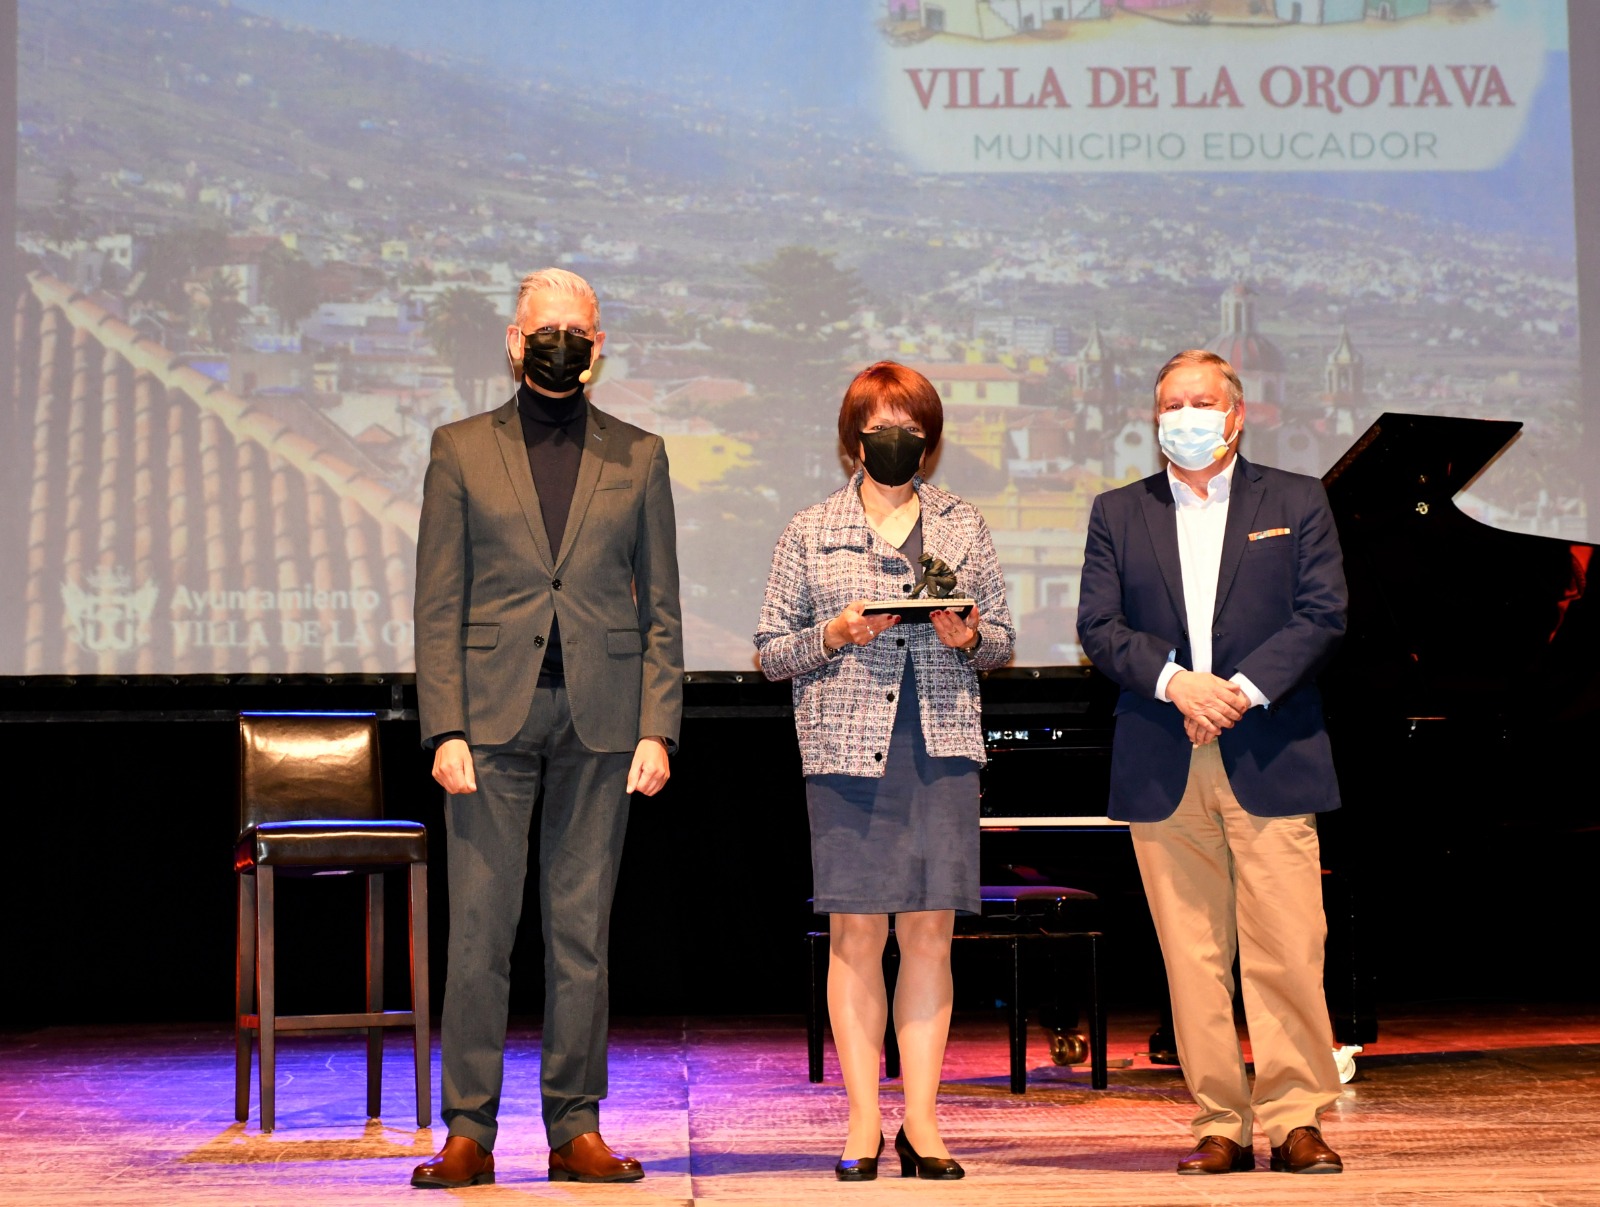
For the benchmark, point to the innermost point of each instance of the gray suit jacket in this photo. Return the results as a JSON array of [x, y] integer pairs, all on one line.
[[488, 586]]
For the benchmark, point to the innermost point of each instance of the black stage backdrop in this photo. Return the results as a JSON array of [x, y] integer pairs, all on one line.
[[117, 889]]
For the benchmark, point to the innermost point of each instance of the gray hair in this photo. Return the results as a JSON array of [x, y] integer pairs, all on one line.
[[1199, 356], [558, 280]]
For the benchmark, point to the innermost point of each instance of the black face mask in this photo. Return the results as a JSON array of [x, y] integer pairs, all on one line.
[[553, 360], [892, 456]]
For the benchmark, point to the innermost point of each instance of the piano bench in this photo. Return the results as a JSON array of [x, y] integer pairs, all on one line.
[[1015, 916]]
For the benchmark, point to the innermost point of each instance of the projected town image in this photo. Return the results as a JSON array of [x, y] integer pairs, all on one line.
[[264, 260]]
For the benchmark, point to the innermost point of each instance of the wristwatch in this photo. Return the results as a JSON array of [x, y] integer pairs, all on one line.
[[970, 652]]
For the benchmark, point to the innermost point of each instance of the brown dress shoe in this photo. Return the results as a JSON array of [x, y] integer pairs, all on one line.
[[1305, 1151], [588, 1158], [461, 1162], [1218, 1154]]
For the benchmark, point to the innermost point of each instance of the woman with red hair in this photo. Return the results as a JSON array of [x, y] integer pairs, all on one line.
[[887, 714]]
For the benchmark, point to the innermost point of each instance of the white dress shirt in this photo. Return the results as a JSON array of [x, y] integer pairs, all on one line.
[[1202, 522]]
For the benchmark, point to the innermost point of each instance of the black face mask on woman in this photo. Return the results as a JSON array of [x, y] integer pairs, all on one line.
[[892, 456], [556, 360]]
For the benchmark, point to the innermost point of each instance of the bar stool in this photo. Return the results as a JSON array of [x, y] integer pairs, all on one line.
[[311, 804]]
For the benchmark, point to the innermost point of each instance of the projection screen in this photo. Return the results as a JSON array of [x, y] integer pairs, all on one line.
[[264, 247]]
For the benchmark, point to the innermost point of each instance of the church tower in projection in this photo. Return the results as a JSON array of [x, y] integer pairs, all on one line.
[[1095, 370], [1344, 387], [1272, 434], [1094, 390], [1116, 443], [1254, 357]]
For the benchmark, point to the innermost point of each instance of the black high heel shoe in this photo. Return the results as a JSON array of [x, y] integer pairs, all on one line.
[[942, 1169], [859, 1169]]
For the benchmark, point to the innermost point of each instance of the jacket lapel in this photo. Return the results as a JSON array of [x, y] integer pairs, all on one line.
[[939, 538], [1244, 501], [844, 521], [593, 456], [1161, 521], [514, 452]]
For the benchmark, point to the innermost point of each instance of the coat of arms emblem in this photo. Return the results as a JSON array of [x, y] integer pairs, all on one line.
[[110, 614]]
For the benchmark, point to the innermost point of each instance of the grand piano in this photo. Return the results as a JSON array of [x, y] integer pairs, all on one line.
[[1452, 620], [1462, 707]]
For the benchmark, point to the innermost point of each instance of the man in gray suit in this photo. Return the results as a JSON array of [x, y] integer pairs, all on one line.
[[549, 655]]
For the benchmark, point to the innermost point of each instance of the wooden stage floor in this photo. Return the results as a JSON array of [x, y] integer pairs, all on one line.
[[1453, 1105]]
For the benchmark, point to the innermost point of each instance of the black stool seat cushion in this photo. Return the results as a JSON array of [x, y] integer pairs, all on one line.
[[332, 843], [1012, 900]]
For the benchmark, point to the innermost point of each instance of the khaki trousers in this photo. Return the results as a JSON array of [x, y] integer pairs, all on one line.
[[1222, 881]]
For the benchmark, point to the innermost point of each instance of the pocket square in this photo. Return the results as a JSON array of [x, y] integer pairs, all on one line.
[[1266, 532]]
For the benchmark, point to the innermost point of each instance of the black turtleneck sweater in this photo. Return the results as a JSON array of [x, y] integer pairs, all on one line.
[[552, 429]]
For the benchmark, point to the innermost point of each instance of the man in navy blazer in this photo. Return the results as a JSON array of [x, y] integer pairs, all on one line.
[[1213, 593]]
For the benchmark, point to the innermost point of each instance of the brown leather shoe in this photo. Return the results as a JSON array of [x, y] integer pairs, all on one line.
[[1218, 1154], [1305, 1151], [588, 1158], [461, 1162]]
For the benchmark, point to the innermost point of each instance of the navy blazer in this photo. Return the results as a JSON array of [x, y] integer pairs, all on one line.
[[1280, 613]]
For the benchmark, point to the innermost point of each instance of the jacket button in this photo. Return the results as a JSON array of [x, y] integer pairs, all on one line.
[[889, 696], [556, 585], [906, 587], [538, 640], [877, 758], [899, 640]]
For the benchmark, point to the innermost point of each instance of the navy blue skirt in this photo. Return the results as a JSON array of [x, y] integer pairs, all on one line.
[[907, 841]]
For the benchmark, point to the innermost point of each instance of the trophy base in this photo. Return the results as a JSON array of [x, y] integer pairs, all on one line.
[[916, 611]]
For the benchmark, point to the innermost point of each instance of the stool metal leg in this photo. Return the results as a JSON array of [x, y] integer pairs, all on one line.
[[374, 993], [418, 902], [891, 1040], [244, 995], [1097, 1016], [266, 965], [1019, 1022], [816, 1002]]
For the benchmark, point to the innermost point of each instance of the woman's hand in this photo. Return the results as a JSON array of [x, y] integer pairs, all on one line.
[[956, 631], [850, 627]]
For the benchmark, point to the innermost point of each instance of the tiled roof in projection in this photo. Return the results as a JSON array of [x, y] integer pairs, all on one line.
[[174, 526]]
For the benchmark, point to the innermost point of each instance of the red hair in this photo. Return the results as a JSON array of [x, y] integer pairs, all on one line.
[[895, 387]]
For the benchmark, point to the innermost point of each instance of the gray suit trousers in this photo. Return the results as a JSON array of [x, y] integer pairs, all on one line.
[[581, 827]]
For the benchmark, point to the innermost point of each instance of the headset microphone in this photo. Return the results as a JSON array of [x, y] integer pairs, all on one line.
[[1221, 451]]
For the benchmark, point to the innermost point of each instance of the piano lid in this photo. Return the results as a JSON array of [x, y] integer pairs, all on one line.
[[1449, 615], [1412, 460]]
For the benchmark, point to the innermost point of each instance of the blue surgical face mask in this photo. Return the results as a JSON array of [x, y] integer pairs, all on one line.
[[1191, 437]]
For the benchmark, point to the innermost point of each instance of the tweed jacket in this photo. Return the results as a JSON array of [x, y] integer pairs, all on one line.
[[844, 703]]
